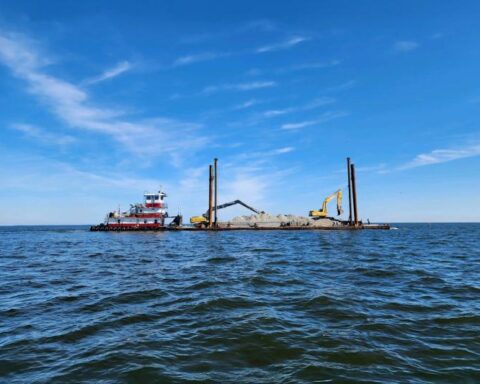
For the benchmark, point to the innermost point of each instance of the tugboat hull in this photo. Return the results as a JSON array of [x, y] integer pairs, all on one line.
[[126, 227]]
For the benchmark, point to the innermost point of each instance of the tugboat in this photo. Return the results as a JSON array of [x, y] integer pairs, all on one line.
[[149, 215]]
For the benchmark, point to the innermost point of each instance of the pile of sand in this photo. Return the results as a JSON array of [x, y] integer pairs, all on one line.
[[267, 220]]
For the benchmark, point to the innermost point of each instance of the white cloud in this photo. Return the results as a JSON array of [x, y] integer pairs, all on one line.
[[291, 42], [281, 151], [268, 154], [252, 184], [319, 102], [313, 65], [327, 116], [316, 103], [343, 86], [43, 136], [120, 68], [254, 85], [71, 104], [277, 112], [247, 104], [195, 58], [302, 124], [405, 46], [239, 87], [260, 157], [442, 156]]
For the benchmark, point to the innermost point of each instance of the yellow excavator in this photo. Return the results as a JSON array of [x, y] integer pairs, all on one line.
[[316, 214], [203, 220]]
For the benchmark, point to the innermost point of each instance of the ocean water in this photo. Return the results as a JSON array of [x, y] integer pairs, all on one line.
[[399, 306]]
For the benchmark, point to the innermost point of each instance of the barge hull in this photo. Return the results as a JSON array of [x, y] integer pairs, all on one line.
[[99, 228]]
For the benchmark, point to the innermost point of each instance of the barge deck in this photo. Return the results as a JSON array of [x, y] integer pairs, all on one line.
[[104, 228]]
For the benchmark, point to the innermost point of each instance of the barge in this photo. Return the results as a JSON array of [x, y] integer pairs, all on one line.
[[150, 215]]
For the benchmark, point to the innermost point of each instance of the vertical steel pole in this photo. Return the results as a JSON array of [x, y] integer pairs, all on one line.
[[210, 197], [215, 161], [354, 193], [349, 192]]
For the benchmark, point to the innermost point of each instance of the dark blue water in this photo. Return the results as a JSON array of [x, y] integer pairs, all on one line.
[[400, 306]]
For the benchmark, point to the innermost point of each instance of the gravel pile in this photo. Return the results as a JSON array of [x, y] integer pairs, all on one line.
[[267, 220]]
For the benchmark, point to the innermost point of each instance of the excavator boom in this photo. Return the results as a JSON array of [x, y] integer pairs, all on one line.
[[204, 218], [221, 206]]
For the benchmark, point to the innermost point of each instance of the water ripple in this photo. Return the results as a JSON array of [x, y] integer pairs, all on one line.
[[255, 307]]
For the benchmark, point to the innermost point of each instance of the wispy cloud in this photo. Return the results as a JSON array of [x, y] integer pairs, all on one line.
[[327, 116], [295, 68], [281, 151], [299, 125], [404, 46], [208, 56], [71, 104], [264, 154], [317, 103], [312, 65], [343, 86], [120, 68], [47, 174], [438, 156], [277, 112], [247, 104], [239, 86], [256, 161], [43, 136], [289, 43], [379, 169], [198, 57], [253, 183]]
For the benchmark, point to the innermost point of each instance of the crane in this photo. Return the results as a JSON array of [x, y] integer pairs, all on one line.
[[323, 211], [201, 220]]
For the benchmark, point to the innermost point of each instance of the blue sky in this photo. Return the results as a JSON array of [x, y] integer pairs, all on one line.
[[102, 100]]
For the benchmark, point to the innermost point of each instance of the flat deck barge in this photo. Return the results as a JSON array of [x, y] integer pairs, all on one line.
[[105, 228]]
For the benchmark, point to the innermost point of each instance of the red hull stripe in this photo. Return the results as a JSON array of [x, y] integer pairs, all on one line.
[[135, 225], [147, 215], [154, 205]]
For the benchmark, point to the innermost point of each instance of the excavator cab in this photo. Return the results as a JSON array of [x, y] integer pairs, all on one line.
[[322, 212], [198, 220]]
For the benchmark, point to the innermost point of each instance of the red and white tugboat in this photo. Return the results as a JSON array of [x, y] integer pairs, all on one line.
[[149, 215]]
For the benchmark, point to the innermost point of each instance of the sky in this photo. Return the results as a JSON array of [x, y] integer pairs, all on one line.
[[101, 101]]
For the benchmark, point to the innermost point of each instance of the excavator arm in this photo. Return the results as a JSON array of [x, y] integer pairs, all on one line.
[[204, 217], [221, 206]]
